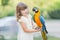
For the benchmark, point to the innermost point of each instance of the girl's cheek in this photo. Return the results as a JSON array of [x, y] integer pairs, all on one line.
[[27, 11], [24, 13]]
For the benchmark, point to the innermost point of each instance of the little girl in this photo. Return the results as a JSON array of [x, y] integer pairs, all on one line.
[[25, 22]]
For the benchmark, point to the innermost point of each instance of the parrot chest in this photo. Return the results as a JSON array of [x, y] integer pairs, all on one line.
[[37, 20]]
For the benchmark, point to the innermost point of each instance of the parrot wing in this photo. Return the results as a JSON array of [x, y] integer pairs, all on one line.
[[42, 20]]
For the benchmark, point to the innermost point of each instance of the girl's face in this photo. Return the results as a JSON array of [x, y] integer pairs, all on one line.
[[25, 12]]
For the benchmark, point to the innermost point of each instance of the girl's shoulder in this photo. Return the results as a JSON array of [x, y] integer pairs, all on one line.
[[22, 19], [30, 15]]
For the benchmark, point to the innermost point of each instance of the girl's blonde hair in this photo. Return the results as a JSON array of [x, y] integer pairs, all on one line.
[[20, 6]]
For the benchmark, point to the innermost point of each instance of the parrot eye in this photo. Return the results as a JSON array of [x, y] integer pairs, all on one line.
[[35, 9]]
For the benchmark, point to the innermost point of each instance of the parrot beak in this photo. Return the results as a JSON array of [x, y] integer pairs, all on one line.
[[35, 9]]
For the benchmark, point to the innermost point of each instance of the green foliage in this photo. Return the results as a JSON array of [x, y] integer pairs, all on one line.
[[54, 14], [44, 5], [4, 2], [7, 13], [2, 37], [49, 38], [11, 13], [14, 37], [37, 38]]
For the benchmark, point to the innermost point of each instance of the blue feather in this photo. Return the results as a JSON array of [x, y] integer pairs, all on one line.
[[43, 22]]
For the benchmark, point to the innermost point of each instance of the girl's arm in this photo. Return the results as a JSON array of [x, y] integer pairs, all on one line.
[[23, 25], [34, 24]]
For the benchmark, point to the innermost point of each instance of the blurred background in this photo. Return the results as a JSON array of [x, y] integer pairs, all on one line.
[[50, 9]]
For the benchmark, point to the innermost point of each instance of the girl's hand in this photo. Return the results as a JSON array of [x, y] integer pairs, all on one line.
[[41, 29], [36, 30]]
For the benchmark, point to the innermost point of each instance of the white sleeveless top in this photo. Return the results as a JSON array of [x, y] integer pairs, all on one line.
[[21, 34]]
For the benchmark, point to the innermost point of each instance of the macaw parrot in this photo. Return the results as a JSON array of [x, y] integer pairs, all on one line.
[[39, 20]]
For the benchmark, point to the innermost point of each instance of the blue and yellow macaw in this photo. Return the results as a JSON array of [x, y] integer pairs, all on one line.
[[39, 20]]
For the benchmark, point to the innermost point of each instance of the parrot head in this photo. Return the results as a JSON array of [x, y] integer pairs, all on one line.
[[35, 9]]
